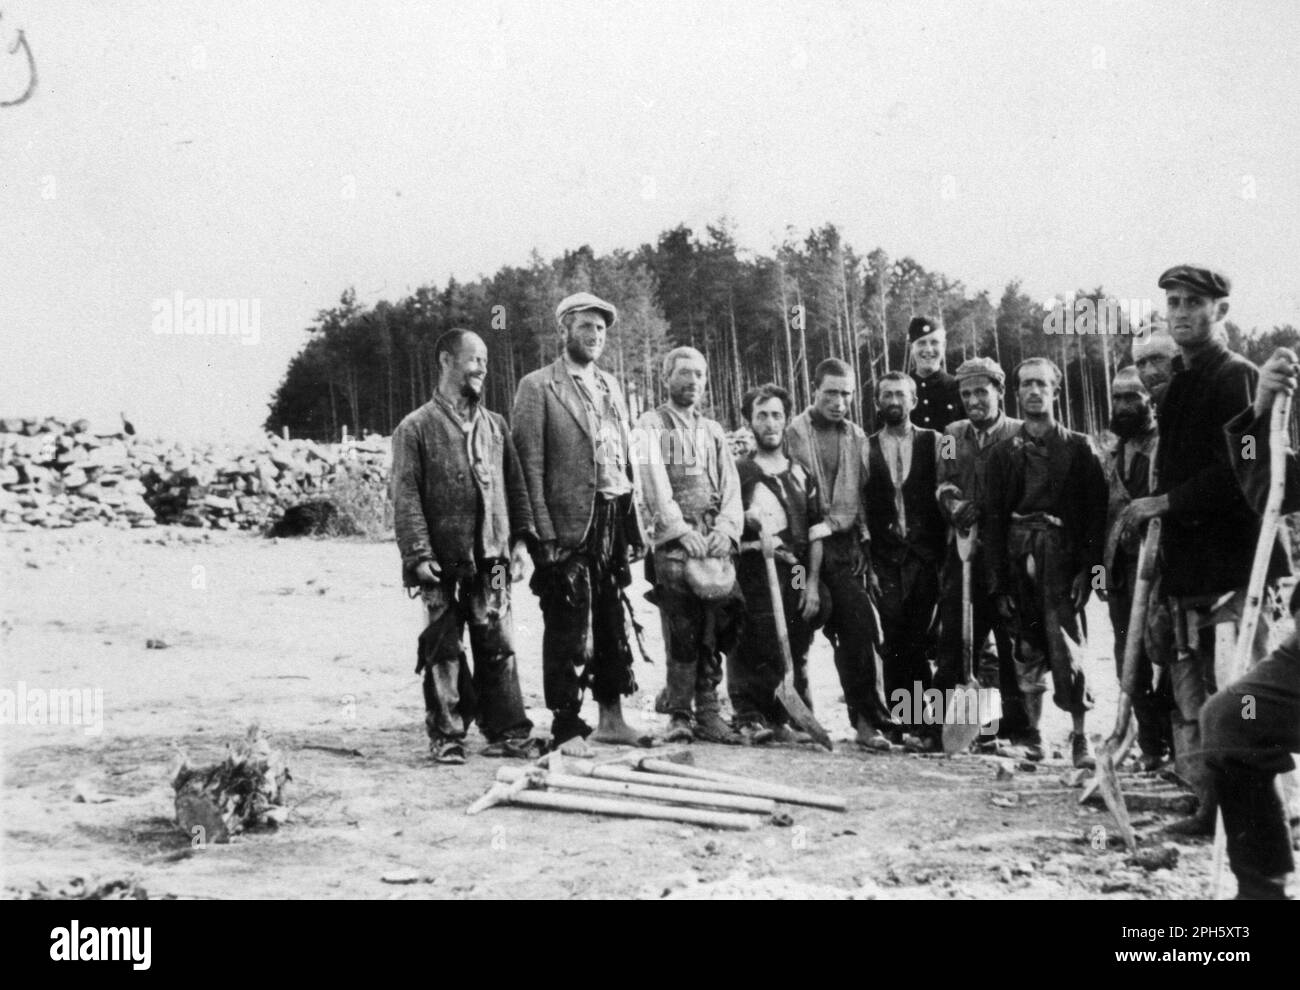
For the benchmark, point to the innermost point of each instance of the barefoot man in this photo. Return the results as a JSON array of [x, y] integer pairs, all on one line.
[[571, 429]]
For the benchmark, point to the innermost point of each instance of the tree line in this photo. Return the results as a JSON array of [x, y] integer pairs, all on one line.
[[756, 318]]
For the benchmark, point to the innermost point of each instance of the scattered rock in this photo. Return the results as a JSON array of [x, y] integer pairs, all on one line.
[[1006, 800], [156, 644], [400, 876], [1155, 858]]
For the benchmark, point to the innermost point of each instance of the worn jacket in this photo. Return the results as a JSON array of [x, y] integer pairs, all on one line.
[[1078, 493], [842, 503], [1141, 482], [558, 454], [695, 445], [926, 528], [458, 495], [963, 465], [1204, 544]]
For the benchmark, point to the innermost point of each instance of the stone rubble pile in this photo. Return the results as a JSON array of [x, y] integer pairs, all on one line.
[[55, 474]]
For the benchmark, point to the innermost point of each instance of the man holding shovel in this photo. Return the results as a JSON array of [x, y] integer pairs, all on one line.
[[692, 501], [962, 497], [1129, 463], [1045, 526], [459, 503], [780, 499], [1209, 531]]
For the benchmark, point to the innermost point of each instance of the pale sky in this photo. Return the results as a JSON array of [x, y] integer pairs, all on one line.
[[209, 149]]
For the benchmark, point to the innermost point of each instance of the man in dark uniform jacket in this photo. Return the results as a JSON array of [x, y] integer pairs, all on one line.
[[1045, 526], [907, 540], [938, 397], [1251, 727], [1209, 531]]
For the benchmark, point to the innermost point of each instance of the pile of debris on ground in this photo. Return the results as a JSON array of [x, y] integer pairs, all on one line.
[[55, 474], [244, 791]]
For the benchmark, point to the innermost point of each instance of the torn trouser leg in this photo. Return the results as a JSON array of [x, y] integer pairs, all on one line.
[[453, 696]]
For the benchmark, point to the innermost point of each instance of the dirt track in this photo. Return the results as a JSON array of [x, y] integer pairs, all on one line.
[[315, 640]]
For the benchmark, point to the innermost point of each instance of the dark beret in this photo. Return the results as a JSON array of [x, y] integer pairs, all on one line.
[[1203, 280], [921, 326]]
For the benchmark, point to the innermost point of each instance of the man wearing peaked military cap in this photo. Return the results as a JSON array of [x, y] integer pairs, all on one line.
[[938, 401]]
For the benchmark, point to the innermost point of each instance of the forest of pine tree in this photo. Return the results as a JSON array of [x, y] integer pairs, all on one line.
[[755, 317]]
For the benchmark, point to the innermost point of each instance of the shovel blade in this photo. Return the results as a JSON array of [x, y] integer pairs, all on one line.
[[1108, 784], [970, 708], [800, 715]]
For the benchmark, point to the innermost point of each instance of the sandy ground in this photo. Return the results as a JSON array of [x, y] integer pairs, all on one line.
[[315, 640]]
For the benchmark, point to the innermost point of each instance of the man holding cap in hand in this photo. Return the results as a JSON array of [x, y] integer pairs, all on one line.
[[571, 428]]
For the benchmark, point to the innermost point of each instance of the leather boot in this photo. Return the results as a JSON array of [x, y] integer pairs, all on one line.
[[710, 726], [1032, 737]]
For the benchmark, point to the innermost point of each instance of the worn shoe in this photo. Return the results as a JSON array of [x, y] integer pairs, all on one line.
[[447, 752], [525, 748], [755, 732], [1150, 762], [788, 734], [1199, 825], [874, 741], [920, 744], [679, 730], [1081, 751], [712, 727]]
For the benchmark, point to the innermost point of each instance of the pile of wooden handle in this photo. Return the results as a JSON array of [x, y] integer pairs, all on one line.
[[651, 786]]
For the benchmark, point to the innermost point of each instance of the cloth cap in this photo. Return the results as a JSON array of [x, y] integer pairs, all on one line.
[[1128, 380], [921, 326], [585, 300], [1203, 280], [982, 367]]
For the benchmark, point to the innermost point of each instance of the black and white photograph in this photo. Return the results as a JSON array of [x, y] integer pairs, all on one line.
[[680, 450]]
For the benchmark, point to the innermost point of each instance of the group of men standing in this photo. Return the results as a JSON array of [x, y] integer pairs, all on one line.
[[867, 531]]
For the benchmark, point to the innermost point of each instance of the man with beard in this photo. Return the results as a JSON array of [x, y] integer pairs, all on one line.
[[963, 500], [1129, 465], [1045, 525], [1153, 356], [780, 498], [692, 501], [907, 537], [1209, 531], [571, 428], [834, 450], [459, 502], [938, 400]]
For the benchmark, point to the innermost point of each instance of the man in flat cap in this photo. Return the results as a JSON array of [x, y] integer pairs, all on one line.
[[962, 497], [907, 542], [1153, 357], [1129, 463], [833, 449], [1045, 527], [1209, 531], [459, 505], [694, 514], [938, 400], [572, 430]]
